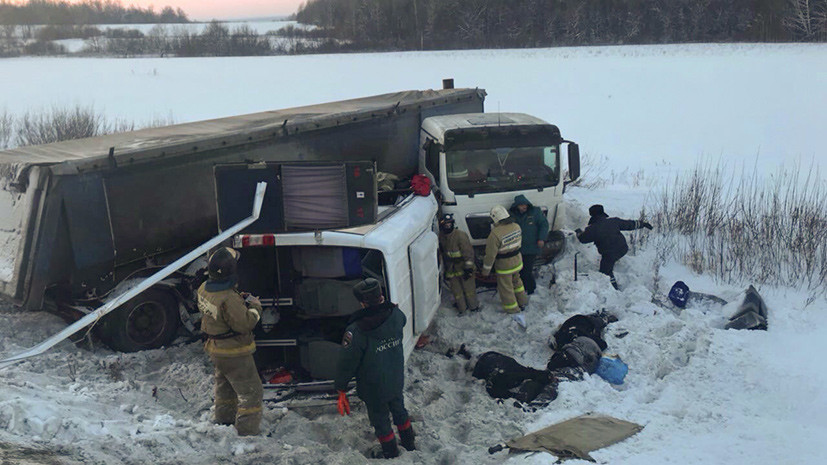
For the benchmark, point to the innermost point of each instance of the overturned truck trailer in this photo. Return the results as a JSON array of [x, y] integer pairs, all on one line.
[[80, 218]]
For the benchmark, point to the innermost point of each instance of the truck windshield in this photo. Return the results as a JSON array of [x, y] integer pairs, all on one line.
[[502, 169]]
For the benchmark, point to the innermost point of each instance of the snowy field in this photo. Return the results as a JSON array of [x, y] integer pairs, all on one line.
[[703, 394], [641, 107]]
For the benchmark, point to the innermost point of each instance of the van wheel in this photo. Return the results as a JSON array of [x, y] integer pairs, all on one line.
[[148, 321]]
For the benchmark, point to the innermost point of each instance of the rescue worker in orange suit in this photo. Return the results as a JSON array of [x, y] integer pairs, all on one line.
[[606, 235], [502, 254], [228, 321], [458, 261], [372, 351]]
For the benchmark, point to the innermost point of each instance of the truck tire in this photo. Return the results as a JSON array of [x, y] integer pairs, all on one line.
[[148, 321]]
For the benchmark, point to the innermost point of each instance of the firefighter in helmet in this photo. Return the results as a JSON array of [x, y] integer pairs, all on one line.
[[229, 317], [502, 254], [458, 261]]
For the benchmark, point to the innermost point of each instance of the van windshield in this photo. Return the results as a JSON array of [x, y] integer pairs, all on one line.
[[502, 169]]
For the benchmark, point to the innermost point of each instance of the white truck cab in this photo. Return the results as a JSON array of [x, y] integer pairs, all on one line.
[[478, 160]]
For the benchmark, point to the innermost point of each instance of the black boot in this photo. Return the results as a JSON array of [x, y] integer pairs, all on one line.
[[390, 449], [406, 438]]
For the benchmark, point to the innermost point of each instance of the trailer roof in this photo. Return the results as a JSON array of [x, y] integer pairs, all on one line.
[[184, 139]]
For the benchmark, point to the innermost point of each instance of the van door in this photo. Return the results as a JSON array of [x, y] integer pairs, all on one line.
[[422, 254]]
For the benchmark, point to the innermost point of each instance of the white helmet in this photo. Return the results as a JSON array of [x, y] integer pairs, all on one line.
[[498, 213]]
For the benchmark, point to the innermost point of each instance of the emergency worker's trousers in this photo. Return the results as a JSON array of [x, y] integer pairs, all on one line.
[[607, 266], [527, 273], [380, 413], [238, 393], [512, 293], [465, 292]]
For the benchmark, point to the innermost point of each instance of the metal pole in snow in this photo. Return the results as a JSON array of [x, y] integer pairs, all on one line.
[[144, 285]]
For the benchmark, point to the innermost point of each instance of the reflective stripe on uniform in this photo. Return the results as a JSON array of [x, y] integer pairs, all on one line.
[[510, 306], [243, 350], [248, 410], [454, 254], [519, 289], [455, 274], [516, 269]]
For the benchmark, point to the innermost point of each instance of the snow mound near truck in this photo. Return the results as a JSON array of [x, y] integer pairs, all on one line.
[[701, 392]]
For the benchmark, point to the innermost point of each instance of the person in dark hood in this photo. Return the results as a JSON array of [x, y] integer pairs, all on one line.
[[534, 226], [372, 351], [606, 235]]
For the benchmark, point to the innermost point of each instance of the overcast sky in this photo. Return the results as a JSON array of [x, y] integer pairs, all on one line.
[[201, 10]]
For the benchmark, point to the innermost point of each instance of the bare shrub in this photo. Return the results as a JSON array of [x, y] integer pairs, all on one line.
[[59, 124], [766, 230], [6, 129], [593, 170]]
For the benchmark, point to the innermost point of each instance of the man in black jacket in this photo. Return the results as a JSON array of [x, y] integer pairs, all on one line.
[[372, 351], [606, 235]]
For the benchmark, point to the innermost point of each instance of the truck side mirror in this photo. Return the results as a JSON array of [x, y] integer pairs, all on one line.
[[574, 162]]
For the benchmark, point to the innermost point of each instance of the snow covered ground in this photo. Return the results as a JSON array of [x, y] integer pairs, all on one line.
[[704, 395]]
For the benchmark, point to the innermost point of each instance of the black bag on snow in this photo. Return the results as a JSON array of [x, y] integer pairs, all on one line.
[[506, 378]]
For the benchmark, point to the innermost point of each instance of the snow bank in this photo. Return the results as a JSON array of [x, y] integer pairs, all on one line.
[[704, 394]]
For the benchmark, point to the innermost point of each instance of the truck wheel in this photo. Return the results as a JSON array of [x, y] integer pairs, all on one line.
[[148, 321]]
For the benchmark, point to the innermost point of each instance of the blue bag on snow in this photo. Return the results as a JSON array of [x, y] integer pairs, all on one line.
[[679, 294], [611, 369]]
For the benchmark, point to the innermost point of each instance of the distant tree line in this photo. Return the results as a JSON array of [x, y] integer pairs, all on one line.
[[450, 24], [86, 12], [165, 40], [215, 40]]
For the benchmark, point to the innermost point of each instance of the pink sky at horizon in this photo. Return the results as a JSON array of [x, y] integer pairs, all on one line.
[[205, 10]]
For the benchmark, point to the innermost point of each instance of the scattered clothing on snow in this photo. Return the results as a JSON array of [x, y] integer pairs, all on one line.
[[581, 353], [506, 378], [612, 369], [590, 326], [679, 294], [606, 234], [751, 314]]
